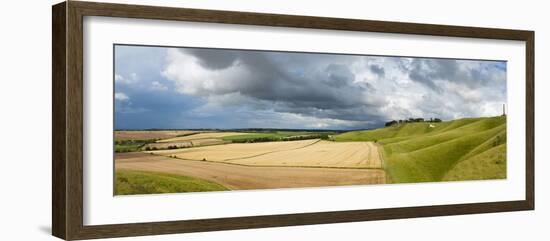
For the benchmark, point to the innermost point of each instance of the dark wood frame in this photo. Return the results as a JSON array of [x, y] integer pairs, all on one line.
[[67, 138]]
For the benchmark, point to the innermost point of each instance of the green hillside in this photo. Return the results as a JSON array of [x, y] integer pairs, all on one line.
[[464, 149]]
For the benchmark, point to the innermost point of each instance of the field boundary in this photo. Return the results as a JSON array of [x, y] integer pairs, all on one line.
[[383, 161]]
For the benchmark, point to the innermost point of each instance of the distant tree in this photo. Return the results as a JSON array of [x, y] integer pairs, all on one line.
[[391, 123], [436, 120]]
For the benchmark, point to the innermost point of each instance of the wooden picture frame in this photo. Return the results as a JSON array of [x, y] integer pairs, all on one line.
[[67, 125]]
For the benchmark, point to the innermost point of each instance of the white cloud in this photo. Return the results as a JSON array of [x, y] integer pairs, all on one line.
[[190, 77], [124, 105], [118, 78], [119, 96], [133, 78]]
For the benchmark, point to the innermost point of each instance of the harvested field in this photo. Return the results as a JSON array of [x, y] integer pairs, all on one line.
[[185, 144], [147, 135], [222, 153], [238, 177], [321, 154], [206, 135], [306, 153]]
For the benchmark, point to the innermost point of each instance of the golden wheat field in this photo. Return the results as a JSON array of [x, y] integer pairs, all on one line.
[[321, 154], [306, 153], [222, 153]]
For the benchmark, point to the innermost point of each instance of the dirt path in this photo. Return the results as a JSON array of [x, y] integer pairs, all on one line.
[[239, 177]]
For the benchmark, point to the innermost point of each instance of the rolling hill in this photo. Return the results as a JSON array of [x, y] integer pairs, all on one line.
[[463, 149]]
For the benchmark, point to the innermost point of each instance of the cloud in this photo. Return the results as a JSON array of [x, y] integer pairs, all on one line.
[[213, 58], [352, 91], [124, 105], [119, 96], [378, 70], [118, 78], [322, 88], [133, 78], [473, 74]]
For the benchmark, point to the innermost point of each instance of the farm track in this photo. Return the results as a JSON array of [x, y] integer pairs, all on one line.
[[242, 177]]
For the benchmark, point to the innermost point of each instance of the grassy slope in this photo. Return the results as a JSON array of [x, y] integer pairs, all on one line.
[[465, 149], [139, 182]]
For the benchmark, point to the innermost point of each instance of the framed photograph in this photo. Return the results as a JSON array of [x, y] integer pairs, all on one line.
[[171, 120]]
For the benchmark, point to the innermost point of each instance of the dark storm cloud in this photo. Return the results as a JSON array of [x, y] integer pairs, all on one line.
[[378, 70], [213, 58], [338, 75], [429, 71], [309, 84], [356, 89], [265, 72]]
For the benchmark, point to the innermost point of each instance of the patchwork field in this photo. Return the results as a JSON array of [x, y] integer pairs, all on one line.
[[129, 141]]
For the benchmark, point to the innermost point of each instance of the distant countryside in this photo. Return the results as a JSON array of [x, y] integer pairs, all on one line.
[[159, 161], [199, 120]]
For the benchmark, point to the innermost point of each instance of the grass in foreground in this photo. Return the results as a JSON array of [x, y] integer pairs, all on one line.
[[140, 182], [465, 149]]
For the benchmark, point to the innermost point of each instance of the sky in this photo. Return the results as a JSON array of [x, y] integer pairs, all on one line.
[[192, 88]]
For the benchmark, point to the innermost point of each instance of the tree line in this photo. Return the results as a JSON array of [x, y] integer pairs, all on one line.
[[411, 120], [323, 136]]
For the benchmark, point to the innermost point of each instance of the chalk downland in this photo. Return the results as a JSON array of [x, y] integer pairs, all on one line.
[[462, 149]]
